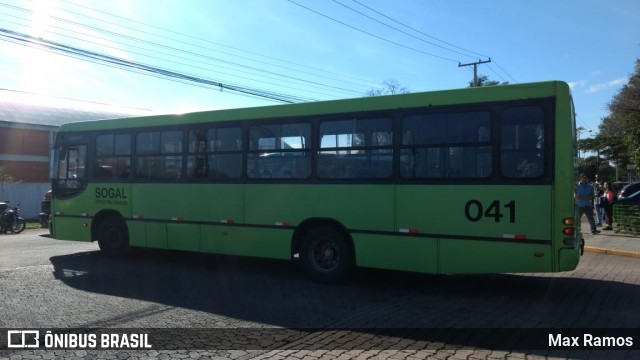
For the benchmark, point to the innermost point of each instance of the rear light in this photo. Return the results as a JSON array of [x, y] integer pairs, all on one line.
[[569, 231]]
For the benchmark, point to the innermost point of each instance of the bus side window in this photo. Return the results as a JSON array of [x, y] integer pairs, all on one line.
[[159, 155], [215, 153], [446, 145], [113, 156], [522, 147], [279, 151], [355, 149]]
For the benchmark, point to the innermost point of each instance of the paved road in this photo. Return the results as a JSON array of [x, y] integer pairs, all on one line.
[[46, 283]]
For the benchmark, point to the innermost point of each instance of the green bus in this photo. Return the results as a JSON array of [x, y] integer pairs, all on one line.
[[475, 180]]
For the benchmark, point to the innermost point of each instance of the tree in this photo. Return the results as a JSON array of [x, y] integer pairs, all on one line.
[[620, 131], [483, 80], [4, 177], [389, 87], [593, 165]]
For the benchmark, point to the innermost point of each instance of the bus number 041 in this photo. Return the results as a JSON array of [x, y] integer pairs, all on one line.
[[474, 211]]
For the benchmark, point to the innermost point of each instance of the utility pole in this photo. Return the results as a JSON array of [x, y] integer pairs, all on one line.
[[475, 69]]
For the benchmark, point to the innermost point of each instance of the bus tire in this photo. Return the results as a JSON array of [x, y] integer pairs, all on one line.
[[326, 254], [113, 237]]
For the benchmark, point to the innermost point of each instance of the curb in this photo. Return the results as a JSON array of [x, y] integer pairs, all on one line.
[[612, 252]]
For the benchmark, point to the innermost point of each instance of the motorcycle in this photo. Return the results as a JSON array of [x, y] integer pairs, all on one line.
[[10, 219]]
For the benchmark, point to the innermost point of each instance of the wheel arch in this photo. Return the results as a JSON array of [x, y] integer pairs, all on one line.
[[100, 217], [311, 223]]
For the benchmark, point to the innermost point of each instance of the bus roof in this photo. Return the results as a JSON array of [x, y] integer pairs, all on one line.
[[412, 100]]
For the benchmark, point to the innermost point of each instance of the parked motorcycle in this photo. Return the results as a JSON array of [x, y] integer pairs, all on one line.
[[10, 219]]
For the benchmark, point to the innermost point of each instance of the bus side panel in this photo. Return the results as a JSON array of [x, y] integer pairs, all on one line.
[[464, 256], [478, 227], [173, 213], [95, 199], [137, 233], [156, 233], [71, 228], [356, 207], [183, 237], [257, 242], [396, 253]]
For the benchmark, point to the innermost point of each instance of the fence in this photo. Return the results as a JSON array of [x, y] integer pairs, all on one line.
[[28, 195], [626, 219]]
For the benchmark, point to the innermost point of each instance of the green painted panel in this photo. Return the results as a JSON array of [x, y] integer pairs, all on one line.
[[463, 256], [137, 233], [396, 252], [258, 242], [568, 259], [156, 235], [66, 228], [355, 206], [192, 202], [95, 198], [183, 237], [492, 210]]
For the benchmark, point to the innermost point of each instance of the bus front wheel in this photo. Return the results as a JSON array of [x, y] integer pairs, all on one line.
[[113, 237], [325, 254]]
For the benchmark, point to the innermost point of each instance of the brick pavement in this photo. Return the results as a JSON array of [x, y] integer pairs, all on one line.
[[602, 292], [610, 242]]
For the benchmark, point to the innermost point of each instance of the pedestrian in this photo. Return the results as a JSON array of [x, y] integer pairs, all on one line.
[[599, 205], [597, 185], [609, 198], [597, 189], [584, 197]]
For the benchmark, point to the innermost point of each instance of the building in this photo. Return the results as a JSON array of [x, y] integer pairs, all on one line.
[[29, 122]]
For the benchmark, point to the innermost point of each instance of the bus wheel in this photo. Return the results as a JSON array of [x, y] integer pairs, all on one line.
[[113, 237], [325, 254]]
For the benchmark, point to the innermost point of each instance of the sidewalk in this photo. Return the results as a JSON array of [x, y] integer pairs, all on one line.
[[608, 242]]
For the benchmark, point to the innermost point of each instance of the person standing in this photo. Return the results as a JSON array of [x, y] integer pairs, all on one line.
[[609, 197], [599, 201], [599, 208], [584, 197]]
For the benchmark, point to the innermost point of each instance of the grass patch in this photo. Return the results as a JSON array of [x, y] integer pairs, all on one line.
[[33, 225]]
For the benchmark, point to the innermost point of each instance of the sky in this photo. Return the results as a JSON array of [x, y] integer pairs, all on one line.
[[177, 56]]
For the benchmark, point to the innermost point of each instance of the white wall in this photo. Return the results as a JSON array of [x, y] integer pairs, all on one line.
[[28, 195]]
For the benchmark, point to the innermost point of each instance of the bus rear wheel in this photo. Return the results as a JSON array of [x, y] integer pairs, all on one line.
[[325, 254], [113, 237]]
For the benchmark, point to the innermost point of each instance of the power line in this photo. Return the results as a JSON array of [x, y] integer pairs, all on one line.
[[190, 53], [429, 36], [411, 28], [310, 84], [140, 67], [403, 32], [504, 71], [76, 100], [369, 83], [371, 34], [235, 66]]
